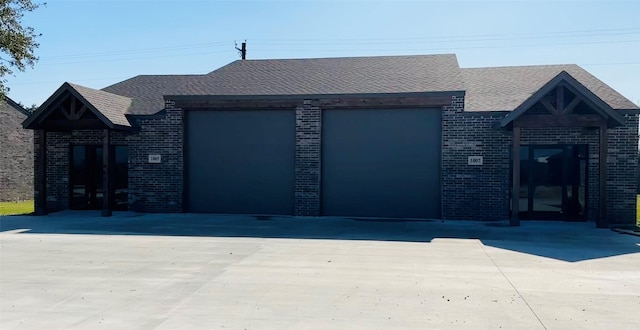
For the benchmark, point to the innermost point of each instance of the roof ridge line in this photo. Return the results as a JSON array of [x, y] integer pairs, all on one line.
[[521, 66]]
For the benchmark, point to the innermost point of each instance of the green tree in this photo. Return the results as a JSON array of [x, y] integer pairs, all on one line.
[[31, 109], [17, 42]]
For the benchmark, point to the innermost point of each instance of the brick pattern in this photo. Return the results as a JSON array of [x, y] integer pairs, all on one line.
[[16, 156], [157, 187], [622, 172], [474, 191], [308, 162], [57, 171]]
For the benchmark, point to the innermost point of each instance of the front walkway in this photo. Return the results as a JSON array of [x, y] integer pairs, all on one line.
[[77, 270]]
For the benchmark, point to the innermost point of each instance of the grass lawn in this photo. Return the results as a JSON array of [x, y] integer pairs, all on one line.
[[12, 208]]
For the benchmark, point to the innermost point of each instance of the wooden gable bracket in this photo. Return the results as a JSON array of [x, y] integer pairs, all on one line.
[[560, 101], [549, 107], [574, 103], [66, 112], [57, 106], [71, 113], [560, 98], [560, 109], [562, 116]]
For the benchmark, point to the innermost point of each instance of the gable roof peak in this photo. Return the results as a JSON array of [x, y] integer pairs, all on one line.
[[565, 79], [108, 107]]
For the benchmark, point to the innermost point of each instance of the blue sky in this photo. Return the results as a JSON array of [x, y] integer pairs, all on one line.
[[97, 43]]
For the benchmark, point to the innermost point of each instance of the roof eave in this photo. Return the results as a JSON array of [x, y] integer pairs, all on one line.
[[16, 106]]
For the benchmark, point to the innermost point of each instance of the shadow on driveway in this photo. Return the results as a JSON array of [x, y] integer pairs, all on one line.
[[565, 241]]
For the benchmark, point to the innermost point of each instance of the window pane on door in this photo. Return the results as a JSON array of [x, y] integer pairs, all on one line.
[[78, 177], [547, 179]]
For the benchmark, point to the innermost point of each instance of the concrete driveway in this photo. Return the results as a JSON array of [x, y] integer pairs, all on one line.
[[80, 271]]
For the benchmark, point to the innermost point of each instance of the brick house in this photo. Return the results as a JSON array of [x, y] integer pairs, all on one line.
[[390, 136], [16, 153]]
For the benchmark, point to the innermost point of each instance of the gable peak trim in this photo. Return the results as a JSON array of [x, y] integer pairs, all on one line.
[[565, 80], [35, 120]]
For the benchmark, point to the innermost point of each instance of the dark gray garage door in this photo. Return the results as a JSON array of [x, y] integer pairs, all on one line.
[[240, 161], [381, 163]]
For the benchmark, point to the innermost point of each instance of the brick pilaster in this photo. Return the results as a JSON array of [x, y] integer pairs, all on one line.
[[622, 172], [307, 184]]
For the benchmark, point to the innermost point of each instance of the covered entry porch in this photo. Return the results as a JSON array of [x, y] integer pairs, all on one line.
[[80, 151], [559, 153]]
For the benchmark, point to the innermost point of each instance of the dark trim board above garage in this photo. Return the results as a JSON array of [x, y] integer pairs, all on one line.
[[266, 102]]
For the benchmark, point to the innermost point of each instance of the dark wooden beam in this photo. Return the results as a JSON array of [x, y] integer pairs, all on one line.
[[515, 193], [574, 103], [560, 99], [41, 186], [602, 221], [238, 104], [64, 112], [81, 112], [328, 103], [53, 106], [549, 107], [60, 125], [107, 163], [72, 109], [544, 121], [368, 103]]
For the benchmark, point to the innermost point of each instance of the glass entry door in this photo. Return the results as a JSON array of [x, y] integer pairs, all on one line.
[[553, 181], [86, 188]]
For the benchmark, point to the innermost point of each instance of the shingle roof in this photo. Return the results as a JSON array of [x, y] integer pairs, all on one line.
[[487, 89], [321, 76], [112, 106], [147, 91], [9, 102], [505, 88], [348, 75]]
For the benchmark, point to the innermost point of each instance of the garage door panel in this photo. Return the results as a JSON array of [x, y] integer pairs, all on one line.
[[240, 161], [383, 163]]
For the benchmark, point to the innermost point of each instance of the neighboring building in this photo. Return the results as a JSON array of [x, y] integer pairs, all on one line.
[[393, 137], [16, 153]]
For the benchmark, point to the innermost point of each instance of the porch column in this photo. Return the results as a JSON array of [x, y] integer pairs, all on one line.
[[41, 173], [107, 173], [515, 189], [602, 162]]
